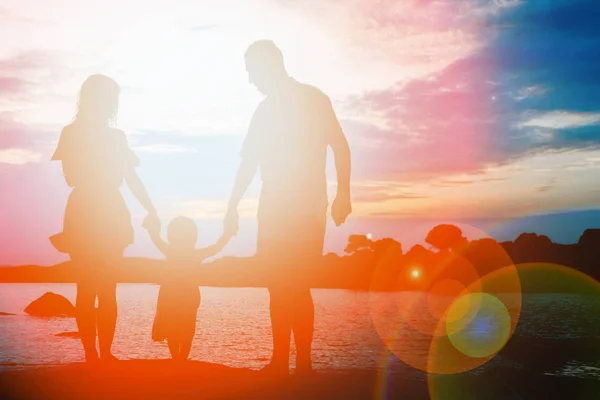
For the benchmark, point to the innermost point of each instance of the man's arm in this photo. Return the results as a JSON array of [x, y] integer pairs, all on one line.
[[243, 179], [341, 206], [341, 154]]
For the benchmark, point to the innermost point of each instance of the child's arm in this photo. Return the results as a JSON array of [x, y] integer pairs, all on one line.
[[154, 232], [207, 252], [158, 242]]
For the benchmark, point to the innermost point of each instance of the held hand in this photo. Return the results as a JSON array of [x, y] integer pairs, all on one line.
[[224, 239], [231, 223], [341, 208], [151, 223]]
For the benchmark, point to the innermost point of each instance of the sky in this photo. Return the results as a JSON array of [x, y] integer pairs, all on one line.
[[454, 110]]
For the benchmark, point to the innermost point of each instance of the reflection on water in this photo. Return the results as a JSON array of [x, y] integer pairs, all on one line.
[[233, 327]]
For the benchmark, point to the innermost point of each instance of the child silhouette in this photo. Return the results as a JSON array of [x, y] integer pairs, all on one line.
[[179, 294]]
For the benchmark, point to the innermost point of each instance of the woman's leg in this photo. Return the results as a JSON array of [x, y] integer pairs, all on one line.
[[107, 303], [107, 317], [85, 315], [107, 300], [85, 305]]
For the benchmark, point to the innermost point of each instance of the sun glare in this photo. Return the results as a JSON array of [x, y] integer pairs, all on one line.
[[415, 273]]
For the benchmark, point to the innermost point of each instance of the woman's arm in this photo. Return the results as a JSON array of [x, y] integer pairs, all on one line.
[[139, 190], [210, 251]]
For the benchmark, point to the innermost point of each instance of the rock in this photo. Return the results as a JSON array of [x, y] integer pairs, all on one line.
[[51, 305], [68, 334], [5, 313]]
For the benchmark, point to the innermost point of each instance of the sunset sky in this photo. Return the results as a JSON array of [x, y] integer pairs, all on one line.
[[453, 109]]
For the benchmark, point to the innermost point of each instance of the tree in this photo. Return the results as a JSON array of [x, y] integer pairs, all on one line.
[[356, 243], [386, 245], [446, 237]]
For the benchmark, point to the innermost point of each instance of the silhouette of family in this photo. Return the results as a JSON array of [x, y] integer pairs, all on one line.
[[287, 141]]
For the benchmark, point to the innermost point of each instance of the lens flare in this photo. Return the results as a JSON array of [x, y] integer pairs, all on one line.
[[478, 324], [455, 311], [442, 295], [479, 332]]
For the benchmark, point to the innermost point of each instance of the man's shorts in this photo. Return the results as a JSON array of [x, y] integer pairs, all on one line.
[[289, 247]]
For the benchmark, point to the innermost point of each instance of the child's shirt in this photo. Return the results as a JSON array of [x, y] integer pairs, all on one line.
[[179, 290]]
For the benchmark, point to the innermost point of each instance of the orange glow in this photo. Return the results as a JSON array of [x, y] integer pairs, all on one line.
[[451, 291]]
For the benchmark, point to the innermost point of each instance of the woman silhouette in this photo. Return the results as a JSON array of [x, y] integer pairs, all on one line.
[[97, 224]]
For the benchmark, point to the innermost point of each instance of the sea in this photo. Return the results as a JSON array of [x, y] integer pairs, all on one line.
[[233, 328]]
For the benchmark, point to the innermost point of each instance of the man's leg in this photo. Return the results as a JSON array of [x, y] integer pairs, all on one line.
[[281, 326], [268, 253], [309, 256], [303, 328]]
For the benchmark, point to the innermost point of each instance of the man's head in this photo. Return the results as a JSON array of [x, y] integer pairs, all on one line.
[[265, 66]]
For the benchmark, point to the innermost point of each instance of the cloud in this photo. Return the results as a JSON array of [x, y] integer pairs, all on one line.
[[544, 188], [398, 214], [584, 165], [24, 61], [164, 149], [13, 133], [19, 156], [532, 87], [17, 74], [10, 86], [444, 124], [376, 196], [21, 143], [202, 28], [530, 91], [562, 120], [376, 192], [462, 182]]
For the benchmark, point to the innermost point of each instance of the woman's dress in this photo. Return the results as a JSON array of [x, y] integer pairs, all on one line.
[[97, 222]]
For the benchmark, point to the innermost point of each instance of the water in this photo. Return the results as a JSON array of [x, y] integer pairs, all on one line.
[[233, 327]]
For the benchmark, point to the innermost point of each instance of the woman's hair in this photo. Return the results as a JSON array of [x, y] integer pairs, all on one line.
[[98, 101]]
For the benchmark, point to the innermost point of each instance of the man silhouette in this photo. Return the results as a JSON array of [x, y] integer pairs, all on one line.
[[287, 139]]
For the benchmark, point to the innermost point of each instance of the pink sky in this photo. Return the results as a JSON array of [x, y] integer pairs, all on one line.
[[420, 118]]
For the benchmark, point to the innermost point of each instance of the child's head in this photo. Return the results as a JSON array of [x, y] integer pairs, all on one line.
[[98, 100], [182, 233]]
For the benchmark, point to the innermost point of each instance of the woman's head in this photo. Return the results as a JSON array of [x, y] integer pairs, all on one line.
[[182, 233], [98, 100]]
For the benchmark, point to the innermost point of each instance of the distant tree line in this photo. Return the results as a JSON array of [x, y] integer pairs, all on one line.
[[368, 264]]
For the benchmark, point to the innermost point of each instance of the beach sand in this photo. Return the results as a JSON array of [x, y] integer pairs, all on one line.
[[166, 379]]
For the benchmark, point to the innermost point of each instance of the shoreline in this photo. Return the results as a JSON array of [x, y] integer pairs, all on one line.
[[523, 292]]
